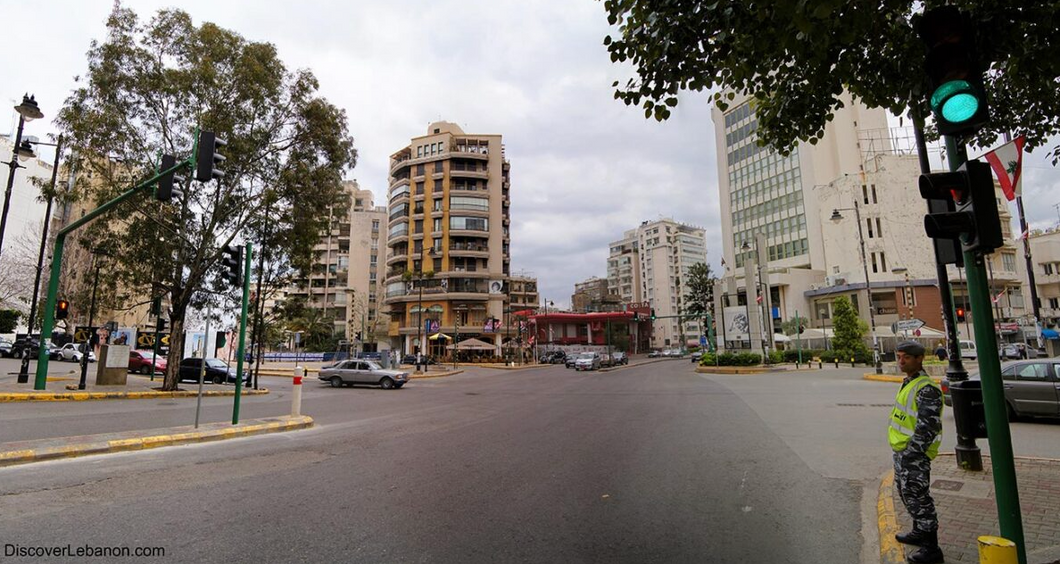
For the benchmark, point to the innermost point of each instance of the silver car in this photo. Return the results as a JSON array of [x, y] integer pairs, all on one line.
[[360, 371], [587, 361]]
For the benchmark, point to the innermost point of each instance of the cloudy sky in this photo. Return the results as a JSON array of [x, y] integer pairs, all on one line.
[[585, 167]]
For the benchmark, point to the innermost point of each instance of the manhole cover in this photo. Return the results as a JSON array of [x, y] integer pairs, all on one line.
[[948, 485]]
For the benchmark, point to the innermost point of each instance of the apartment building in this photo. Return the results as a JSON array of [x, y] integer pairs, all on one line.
[[326, 287], [448, 258], [663, 250], [594, 294], [366, 265], [623, 268], [522, 292]]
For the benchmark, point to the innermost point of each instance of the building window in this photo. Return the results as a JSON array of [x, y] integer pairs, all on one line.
[[375, 226], [879, 228], [883, 263], [419, 187], [420, 169], [437, 225], [437, 265], [467, 203], [865, 193], [873, 188], [1047, 268], [438, 166], [374, 258], [869, 222], [437, 205], [437, 245], [1008, 261], [475, 223], [875, 266], [419, 151], [419, 226]]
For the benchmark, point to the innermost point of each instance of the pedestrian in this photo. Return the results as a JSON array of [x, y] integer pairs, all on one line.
[[941, 352], [915, 434]]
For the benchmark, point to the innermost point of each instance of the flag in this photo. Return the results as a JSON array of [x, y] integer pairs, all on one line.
[[758, 299], [1023, 235], [1007, 162], [998, 296]]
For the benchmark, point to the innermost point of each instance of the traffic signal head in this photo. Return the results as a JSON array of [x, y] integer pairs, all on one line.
[[960, 314], [171, 185], [653, 314], [62, 309], [221, 339], [955, 71], [208, 159], [231, 264], [161, 324], [974, 218]]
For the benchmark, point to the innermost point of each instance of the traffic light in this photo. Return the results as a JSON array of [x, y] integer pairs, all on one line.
[[169, 186], [62, 309], [955, 71], [653, 314], [161, 324], [208, 158], [232, 263], [636, 316], [220, 339], [960, 314], [975, 221]]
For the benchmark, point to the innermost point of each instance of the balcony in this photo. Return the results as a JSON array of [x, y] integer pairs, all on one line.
[[399, 164], [464, 152], [398, 181], [398, 259], [470, 170], [1045, 279]]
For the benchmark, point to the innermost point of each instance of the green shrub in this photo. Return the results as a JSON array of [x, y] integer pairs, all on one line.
[[707, 359], [748, 359], [776, 357]]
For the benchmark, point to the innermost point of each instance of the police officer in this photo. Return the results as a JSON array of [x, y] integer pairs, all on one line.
[[915, 434]]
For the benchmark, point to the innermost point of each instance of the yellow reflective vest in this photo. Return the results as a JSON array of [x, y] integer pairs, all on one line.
[[903, 416]]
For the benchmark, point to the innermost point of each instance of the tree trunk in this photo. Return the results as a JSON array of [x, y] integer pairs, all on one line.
[[176, 351]]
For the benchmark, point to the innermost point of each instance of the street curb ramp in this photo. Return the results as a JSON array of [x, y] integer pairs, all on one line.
[[25, 452]]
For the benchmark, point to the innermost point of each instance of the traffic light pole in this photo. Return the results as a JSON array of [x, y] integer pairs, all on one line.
[[967, 452], [998, 434], [242, 333], [48, 322]]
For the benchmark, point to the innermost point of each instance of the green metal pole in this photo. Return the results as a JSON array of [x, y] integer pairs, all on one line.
[[798, 335], [242, 333]]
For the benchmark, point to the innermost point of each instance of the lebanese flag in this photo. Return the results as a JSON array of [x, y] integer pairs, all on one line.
[[1007, 162], [998, 296]]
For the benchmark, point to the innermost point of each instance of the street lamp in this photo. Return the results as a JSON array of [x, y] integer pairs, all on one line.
[[23, 372], [836, 218], [27, 111]]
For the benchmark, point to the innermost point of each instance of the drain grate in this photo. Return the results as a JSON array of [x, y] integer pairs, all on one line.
[[948, 485]]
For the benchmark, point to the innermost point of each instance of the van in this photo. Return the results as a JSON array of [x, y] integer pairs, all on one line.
[[968, 350]]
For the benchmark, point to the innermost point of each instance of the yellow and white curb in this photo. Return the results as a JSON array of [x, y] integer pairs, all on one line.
[[85, 396], [90, 446], [891, 552]]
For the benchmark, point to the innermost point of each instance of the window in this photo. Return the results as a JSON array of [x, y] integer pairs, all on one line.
[[476, 223], [374, 258], [875, 266], [438, 166], [419, 187], [437, 244], [1047, 268], [399, 229], [419, 226], [1034, 371], [420, 170], [437, 205], [437, 264], [865, 193], [883, 263], [1008, 261], [375, 226], [468, 203], [1054, 303], [419, 151], [873, 188], [879, 228], [869, 222], [417, 247]]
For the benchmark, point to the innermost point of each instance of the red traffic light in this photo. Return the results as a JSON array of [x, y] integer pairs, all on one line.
[[62, 309]]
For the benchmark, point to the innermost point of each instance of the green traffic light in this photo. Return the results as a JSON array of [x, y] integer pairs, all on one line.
[[956, 100]]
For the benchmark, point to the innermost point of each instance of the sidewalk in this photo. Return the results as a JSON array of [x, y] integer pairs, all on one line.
[[63, 387], [966, 508], [23, 452]]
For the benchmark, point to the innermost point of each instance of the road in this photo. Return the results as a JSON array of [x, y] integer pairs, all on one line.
[[645, 464]]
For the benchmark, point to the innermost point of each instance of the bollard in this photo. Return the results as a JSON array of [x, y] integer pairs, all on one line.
[[997, 550], [837, 362], [852, 362], [296, 398], [820, 365]]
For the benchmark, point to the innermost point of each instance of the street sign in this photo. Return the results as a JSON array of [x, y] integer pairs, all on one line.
[[916, 333], [907, 325]]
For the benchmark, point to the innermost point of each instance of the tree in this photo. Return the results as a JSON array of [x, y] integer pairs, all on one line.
[[849, 330], [148, 87], [9, 320], [790, 327], [795, 58], [699, 298]]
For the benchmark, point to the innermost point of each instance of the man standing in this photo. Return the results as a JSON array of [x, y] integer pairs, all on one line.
[[915, 434]]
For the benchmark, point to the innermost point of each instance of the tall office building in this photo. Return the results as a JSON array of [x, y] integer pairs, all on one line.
[[768, 202], [664, 251], [448, 239]]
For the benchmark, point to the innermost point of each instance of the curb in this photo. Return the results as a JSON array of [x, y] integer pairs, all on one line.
[[887, 523], [414, 376], [102, 444], [734, 370], [85, 396], [636, 364], [887, 378]]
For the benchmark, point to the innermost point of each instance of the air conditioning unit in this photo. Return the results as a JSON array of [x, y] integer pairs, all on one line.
[[835, 280]]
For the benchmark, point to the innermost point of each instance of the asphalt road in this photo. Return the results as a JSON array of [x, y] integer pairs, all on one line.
[[643, 464]]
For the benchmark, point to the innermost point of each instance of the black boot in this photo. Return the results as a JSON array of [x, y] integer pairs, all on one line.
[[914, 537], [929, 552]]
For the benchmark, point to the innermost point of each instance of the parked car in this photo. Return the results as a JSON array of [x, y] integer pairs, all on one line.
[[655, 354], [372, 355], [968, 350], [25, 345], [5, 348], [1017, 351], [360, 371], [141, 361], [587, 361], [411, 359], [605, 360], [554, 357], [1032, 388], [570, 360], [71, 352], [216, 371], [619, 358]]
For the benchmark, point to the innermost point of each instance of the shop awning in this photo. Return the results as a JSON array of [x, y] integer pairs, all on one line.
[[1050, 334]]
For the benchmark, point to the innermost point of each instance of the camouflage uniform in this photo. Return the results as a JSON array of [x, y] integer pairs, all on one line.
[[912, 467]]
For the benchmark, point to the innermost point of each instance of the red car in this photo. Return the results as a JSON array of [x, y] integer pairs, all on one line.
[[141, 362]]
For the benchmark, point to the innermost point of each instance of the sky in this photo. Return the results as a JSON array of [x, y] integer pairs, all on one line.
[[584, 166]]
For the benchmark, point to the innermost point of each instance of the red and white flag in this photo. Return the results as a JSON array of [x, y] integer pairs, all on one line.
[[1007, 162], [998, 296]]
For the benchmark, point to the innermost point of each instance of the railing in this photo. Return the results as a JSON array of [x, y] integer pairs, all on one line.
[[478, 247]]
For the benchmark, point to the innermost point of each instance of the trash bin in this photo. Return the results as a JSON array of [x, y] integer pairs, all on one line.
[[968, 414]]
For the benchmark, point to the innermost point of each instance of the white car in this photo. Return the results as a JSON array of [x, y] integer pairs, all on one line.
[[71, 352]]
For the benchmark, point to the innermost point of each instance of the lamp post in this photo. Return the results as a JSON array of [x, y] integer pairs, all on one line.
[[23, 371], [27, 111], [836, 218]]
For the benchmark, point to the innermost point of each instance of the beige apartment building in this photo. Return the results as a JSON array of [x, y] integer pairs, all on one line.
[[522, 292], [659, 254], [594, 294], [448, 258], [364, 316]]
